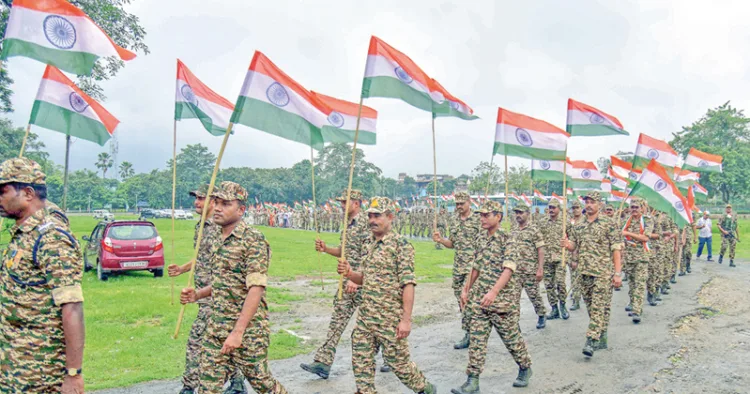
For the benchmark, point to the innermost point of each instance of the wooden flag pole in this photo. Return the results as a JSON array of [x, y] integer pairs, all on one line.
[[434, 176], [174, 197], [506, 187], [25, 139], [315, 204], [65, 176], [489, 176], [348, 194], [565, 205], [202, 222]]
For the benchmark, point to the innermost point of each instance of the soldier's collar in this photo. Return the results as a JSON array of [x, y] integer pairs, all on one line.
[[387, 237], [31, 223], [239, 229]]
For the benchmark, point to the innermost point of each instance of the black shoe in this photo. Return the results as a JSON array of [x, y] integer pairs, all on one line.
[[651, 300], [463, 343], [576, 305], [629, 308], [664, 290], [554, 314], [588, 349], [564, 311], [523, 377], [601, 343], [657, 297], [385, 368], [672, 280], [710, 259], [636, 318], [617, 289], [682, 273], [237, 386], [317, 368], [470, 387], [731, 263], [541, 322], [666, 284], [687, 268], [721, 258], [187, 390]]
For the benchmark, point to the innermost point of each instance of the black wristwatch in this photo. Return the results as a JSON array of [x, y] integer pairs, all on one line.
[[72, 372]]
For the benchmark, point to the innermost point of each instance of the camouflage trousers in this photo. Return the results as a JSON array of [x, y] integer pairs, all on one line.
[[554, 281], [597, 294], [637, 273], [506, 325], [531, 287], [575, 291], [191, 376], [343, 310], [31, 361], [251, 358], [728, 243], [459, 280], [654, 273], [687, 253], [365, 341], [667, 261]]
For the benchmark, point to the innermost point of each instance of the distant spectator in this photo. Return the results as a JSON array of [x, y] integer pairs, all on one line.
[[704, 234]]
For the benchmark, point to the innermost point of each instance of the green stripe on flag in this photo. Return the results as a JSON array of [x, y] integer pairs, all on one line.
[[274, 120], [394, 88], [63, 120], [585, 184], [445, 110], [79, 63], [336, 135], [657, 201], [528, 152], [546, 175], [183, 110], [701, 169], [593, 130]]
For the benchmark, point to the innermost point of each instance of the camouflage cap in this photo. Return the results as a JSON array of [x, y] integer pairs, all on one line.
[[521, 207], [554, 203], [490, 206], [381, 205], [201, 192], [22, 170], [594, 196], [609, 206], [575, 203], [230, 191], [355, 195], [461, 197]]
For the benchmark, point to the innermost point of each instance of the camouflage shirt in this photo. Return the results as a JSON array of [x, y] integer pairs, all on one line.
[[209, 243], [240, 263], [729, 224], [463, 233], [594, 242], [490, 262], [521, 249], [634, 250], [387, 268], [357, 237], [552, 232], [57, 214]]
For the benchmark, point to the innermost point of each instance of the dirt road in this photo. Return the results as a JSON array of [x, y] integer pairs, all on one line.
[[697, 341]]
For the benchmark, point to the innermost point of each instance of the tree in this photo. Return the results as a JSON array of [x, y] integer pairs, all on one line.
[[126, 170], [483, 174], [722, 131], [333, 168], [110, 15], [104, 162], [603, 164], [195, 163], [11, 139]]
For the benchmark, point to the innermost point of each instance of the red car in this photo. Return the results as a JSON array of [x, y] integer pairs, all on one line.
[[124, 246]]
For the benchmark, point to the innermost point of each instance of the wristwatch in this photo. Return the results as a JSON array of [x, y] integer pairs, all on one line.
[[72, 372], [618, 274]]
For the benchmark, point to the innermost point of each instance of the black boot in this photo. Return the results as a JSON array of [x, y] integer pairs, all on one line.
[[721, 258], [470, 387], [682, 273], [523, 377], [731, 263], [588, 349], [664, 290], [317, 368], [463, 343], [601, 343], [385, 368], [657, 297], [636, 318], [672, 280], [576, 305], [651, 300], [541, 322], [687, 268], [564, 311], [554, 314], [187, 390], [629, 308]]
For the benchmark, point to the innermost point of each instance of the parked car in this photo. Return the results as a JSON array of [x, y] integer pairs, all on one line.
[[147, 214], [123, 245], [103, 214], [181, 214]]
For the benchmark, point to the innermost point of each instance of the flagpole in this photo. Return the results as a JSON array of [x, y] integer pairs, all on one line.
[[348, 193], [202, 222], [489, 175], [315, 204], [25, 139], [174, 197], [65, 176], [434, 176], [506, 186], [565, 203]]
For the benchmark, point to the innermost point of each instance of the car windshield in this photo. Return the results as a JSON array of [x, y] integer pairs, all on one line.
[[131, 232]]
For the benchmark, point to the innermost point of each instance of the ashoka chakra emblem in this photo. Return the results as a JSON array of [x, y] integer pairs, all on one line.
[[403, 75], [660, 185], [187, 93], [454, 105], [703, 164], [523, 137], [77, 102], [679, 206], [586, 174], [544, 164], [59, 31], [336, 119], [597, 119], [652, 154], [277, 95], [633, 176]]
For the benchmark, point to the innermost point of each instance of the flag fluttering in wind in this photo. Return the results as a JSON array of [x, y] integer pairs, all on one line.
[[390, 73], [624, 169], [61, 106], [273, 102], [195, 100], [558, 198], [513, 196], [584, 175], [618, 182], [684, 179], [652, 149], [585, 120], [700, 192], [342, 121], [606, 188], [539, 195], [526, 199], [702, 162], [619, 196], [523, 136], [547, 170], [656, 187], [57, 33]]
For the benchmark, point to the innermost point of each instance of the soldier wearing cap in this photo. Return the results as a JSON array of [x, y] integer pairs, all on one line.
[[442, 225], [576, 217], [357, 236], [465, 226], [41, 314], [636, 256], [493, 294], [526, 248], [386, 275], [729, 235], [211, 236], [554, 270], [238, 332], [598, 243]]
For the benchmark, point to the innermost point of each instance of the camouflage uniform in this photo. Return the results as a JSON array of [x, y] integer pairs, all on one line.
[[729, 224], [667, 253], [463, 233], [505, 311], [33, 291], [386, 269], [554, 270], [57, 213], [240, 263], [522, 249], [575, 291], [595, 241], [687, 249], [636, 257], [654, 264]]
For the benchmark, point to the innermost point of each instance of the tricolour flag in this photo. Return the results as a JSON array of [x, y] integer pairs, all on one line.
[[526, 199], [618, 182], [585, 120], [650, 148], [527, 137], [61, 106], [390, 73], [342, 121], [558, 198], [547, 170], [273, 102], [513, 196], [57, 33], [656, 187], [684, 179], [619, 196], [702, 162], [584, 175], [195, 100], [539, 195], [606, 188], [700, 192]]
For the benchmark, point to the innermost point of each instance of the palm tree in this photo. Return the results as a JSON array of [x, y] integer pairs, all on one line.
[[104, 162], [126, 170]]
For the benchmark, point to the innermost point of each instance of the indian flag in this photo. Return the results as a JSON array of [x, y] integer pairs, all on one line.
[[526, 199], [585, 120], [584, 175], [513, 196], [527, 137], [194, 100], [539, 195], [547, 170], [606, 188], [656, 187], [57, 33], [390, 73], [273, 102], [342, 121], [624, 169], [685, 178], [652, 149], [700, 192], [702, 162], [558, 198], [61, 106], [619, 196], [618, 182]]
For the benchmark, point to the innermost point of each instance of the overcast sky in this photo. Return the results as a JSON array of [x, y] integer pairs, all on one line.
[[656, 65]]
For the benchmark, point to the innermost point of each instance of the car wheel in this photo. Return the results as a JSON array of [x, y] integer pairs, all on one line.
[[158, 273], [100, 272], [86, 266]]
